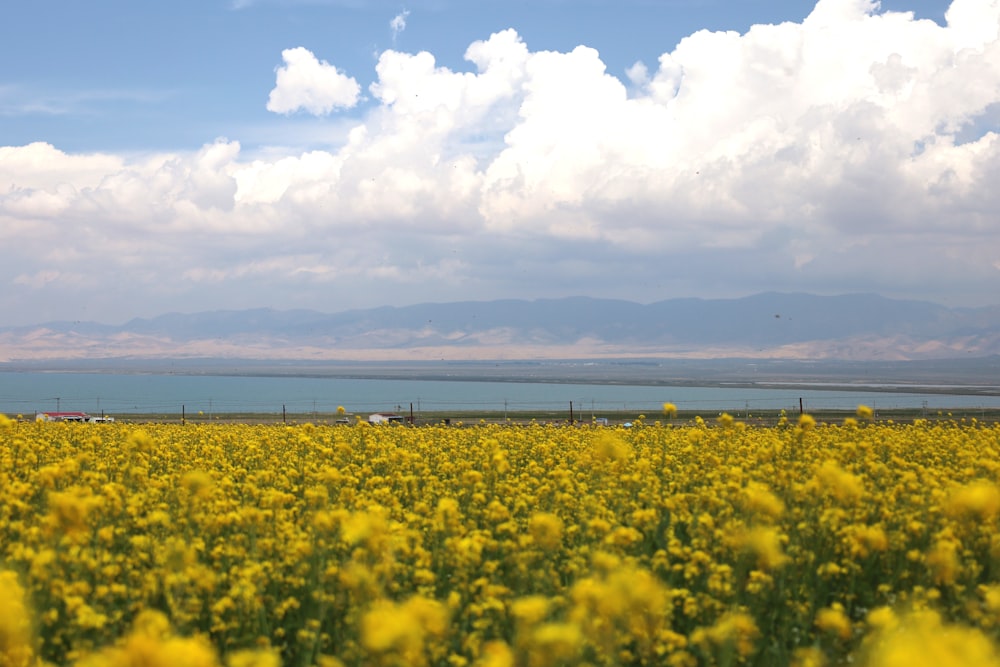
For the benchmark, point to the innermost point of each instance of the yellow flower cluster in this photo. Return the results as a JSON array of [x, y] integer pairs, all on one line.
[[699, 543]]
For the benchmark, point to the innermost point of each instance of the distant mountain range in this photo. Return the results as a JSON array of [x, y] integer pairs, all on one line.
[[770, 325]]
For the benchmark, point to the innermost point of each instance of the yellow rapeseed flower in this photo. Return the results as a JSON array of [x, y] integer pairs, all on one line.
[[764, 542], [980, 499], [943, 560], [496, 654], [140, 440], [364, 527], [608, 447], [864, 539], [530, 609], [842, 485], [198, 483], [546, 530], [834, 620], [254, 658], [16, 636], [991, 599], [152, 644], [69, 510], [387, 626], [448, 514], [922, 639], [554, 643], [810, 656], [735, 629], [403, 627], [882, 618], [759, 500]]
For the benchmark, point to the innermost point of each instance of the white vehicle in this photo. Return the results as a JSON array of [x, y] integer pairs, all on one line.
[[72, 417], [385, 418]]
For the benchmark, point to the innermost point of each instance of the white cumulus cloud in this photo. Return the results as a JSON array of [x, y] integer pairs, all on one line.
[[305, 82], [398, 23]]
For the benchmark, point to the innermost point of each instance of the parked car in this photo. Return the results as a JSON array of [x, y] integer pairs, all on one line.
[[385, 418]]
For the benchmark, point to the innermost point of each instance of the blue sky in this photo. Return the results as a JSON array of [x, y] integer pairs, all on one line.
[[190, 156], [128, 75]]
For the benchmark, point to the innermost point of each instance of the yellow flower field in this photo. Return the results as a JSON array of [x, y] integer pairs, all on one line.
[[673, 543]]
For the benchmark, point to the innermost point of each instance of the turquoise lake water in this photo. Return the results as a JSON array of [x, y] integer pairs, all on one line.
[[98, 393]]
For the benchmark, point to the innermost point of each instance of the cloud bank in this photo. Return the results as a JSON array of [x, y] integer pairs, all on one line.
[[856, 150]]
